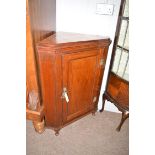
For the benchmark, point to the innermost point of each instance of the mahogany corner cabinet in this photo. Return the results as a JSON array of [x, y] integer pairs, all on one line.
[[71, 68]]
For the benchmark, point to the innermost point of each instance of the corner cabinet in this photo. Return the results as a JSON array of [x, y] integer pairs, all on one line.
[[71, 68]]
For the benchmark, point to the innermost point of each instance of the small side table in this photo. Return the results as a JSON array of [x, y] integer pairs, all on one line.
[[117, 92]]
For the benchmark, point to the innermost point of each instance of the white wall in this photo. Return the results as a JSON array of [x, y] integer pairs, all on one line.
[[79, 16]]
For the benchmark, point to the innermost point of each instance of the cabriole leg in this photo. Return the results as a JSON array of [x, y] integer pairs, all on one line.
[[125, 115], [103, 102]]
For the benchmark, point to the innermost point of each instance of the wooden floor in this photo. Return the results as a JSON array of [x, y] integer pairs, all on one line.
[[91, 135]]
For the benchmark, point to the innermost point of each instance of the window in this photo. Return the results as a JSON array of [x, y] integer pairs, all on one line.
[[121, 58]]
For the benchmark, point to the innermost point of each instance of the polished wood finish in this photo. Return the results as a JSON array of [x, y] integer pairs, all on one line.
[[37, 115], [71, 61], [43, 18], [31, 73], [117, 89], [118, 93], [125, 115], [42, 15], [40, 23], [80, 78], [39, 126]]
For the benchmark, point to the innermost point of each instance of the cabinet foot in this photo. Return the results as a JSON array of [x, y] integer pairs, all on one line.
[[39, 126], [125, 115], [56, 131], [93, 113]]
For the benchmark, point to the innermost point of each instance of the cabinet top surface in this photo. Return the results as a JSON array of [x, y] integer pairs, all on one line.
[[67, 37]]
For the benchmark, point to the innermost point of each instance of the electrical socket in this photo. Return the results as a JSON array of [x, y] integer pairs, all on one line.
[[104, 9]]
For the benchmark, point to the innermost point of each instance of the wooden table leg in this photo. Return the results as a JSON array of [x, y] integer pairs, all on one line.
[[125, 115], [103, 102]]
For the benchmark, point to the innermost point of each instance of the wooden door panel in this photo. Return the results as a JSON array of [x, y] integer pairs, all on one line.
[[79, 77]]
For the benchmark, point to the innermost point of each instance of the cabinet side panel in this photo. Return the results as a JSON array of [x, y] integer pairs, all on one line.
[[103, 55], [47, 76], [100, 73]]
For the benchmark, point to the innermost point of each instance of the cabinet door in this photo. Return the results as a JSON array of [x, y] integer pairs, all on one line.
[[80, 76]]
